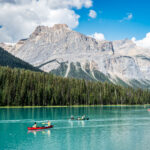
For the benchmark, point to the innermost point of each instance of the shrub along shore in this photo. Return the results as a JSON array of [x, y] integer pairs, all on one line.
[[20, 87]]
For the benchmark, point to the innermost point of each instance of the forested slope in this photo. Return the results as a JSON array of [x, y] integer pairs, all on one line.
[[21, 87], [6, 59]]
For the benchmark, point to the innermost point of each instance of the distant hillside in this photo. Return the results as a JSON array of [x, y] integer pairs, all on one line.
[[6, 59]]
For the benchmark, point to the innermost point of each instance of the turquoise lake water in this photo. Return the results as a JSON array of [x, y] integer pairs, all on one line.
[[109, 128]]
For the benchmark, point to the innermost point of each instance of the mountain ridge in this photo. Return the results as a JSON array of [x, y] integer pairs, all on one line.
[[51, 48]]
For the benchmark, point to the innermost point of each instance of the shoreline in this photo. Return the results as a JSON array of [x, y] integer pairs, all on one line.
[[65, 106]]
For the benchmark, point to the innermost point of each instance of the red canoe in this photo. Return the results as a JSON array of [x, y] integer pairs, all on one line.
[[39, 128]]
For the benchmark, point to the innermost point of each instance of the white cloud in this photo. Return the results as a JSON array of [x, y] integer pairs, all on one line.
[[92, 14], [20, 17], [145, 42], [98, 36], [54, 3], [128, 17]]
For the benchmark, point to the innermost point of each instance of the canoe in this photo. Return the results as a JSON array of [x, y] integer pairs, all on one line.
[[80, 119], [39, 128]]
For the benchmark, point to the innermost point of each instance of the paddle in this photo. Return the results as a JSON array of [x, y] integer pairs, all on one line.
[[44, 123]]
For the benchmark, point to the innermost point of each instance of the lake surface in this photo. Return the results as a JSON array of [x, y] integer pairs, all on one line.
[[109, 128]]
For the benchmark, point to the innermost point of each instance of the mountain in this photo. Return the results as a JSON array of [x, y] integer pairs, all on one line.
[[68, 53], [7, 59], [7, 46]]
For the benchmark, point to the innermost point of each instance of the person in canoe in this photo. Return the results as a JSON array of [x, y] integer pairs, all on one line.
[[78, 118], [72, 117], [48, 123], [83, 117], [35, 125]]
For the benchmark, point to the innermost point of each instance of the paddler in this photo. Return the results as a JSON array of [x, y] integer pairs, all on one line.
[[83, 117], [72, 117], [48, 123], [35, 125]]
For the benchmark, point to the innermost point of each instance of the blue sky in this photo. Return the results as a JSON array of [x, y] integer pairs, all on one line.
[[115, 19], [109, 14]]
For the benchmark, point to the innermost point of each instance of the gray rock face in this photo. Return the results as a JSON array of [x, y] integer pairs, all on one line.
[[50, 47], [6, 46]]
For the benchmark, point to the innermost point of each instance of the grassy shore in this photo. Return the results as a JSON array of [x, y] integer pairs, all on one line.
[[73, 106]]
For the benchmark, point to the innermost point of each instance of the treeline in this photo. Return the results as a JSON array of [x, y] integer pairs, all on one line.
[[26, 88]]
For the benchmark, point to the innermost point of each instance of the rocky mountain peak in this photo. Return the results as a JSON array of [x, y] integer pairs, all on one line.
[[41, 30], [60, 26]]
